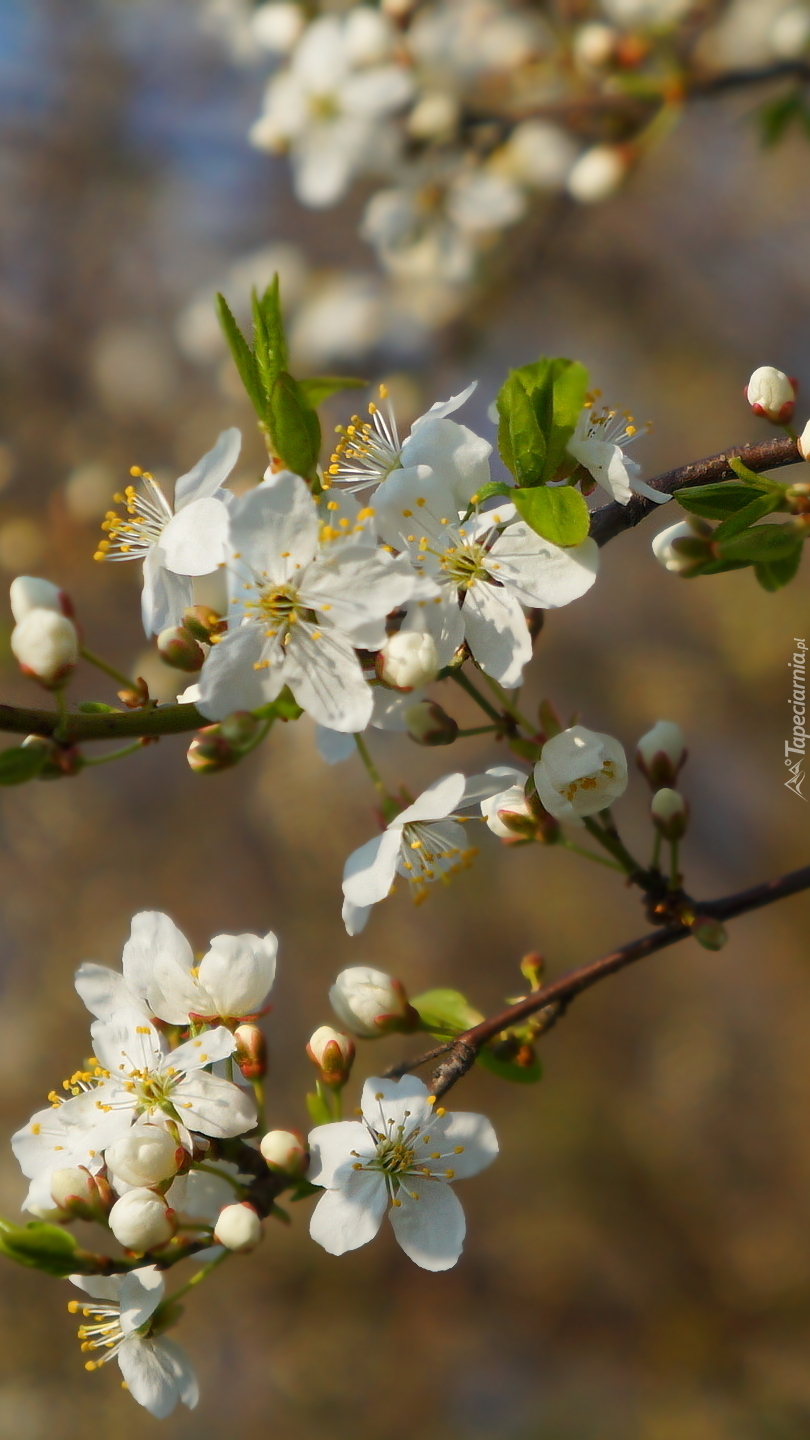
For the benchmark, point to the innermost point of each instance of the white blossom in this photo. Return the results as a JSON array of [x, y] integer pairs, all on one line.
[[597, 443], [161, 978], [298, 608], [117, 1317], [487, 569], [174, 542], [401, 1158], [580, 772], [331, 105]]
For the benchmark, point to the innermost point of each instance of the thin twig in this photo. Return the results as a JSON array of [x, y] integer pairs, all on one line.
[[462, 1053]]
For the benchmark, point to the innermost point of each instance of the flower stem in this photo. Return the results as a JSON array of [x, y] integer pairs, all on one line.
[[114, 754], [201, 1274], [477, 730], [610, 841], [655, 863], [590, 854], [371, 769], [466, 684], [674, 874], [509, 706], [108, 669]]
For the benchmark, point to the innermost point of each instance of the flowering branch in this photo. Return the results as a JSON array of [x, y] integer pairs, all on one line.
[[611, 520], [556, 997]]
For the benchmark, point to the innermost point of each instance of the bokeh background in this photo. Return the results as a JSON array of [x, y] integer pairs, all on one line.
[[638, 1261]]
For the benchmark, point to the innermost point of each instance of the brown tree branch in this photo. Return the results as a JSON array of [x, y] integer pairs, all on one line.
[[461, 1052], [611, 520], [119, 725]]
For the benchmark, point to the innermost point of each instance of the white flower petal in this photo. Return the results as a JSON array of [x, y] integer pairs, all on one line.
[[214, 1106], [326, 678], [274, 528], [154, 934], [462, 1128], [194, 540], [437, 802], [238, 972], [157, 1374], [429, 1223], [165, 595], [331, 1149], [333, 747], [104, 991], [348, 1218], [210, 472], [401, 1101], [127, 1042], [205, 1049], [497, 633], [369, 871], [355, 917], [538, 573], [229, 680], [141, 1291]]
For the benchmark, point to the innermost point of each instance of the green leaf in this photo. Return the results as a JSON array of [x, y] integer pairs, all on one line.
[[96, 707], [569, 383], [509, 1069], [21, 763], [270, 308], [40, 1246], [756, 510], [741, 470], [295, 430], [319, 387], [267, 364], [445, 1012], [558, 513], [763, 543], [284, 707], [520, 438], [243, 356], [715, 502], [773, 574]]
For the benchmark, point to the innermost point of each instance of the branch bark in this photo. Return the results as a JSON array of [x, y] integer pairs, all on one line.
[[611, 520], [461, 1053], [120, 725]]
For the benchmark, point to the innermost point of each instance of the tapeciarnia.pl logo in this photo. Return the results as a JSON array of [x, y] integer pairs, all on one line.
[[797, 746]]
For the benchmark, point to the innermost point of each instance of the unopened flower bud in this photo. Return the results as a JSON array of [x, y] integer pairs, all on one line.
[[209, 751], [428, 724], [580, 772], [141, 1220], [202, 622], [251, 1051], [509, 814], [74, 1188], [594, 45], [239, 728], [597, 174], [408, 660], [146, 1155], [771, 394], [285, 1151], [670, 813], [46, 645], [333, 1054], [178, 648], [790, 33], [28, 593], [434, 117], [371, 1003], [661, 752], [238, 1227], [709, 933], [60, 760], [683, 548]]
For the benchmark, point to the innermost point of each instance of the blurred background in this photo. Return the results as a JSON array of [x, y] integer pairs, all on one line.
[[638, 1261]]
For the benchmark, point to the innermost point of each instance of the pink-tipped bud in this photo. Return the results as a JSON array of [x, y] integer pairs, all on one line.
[[661, 752], [209, 751], [429, 724], [179, 649], [46, 646], [239, 728], [371, 1003], [772, 394], [141, 1220], [285, 1152], [251, 1051], [202, 622], [709, 933], [685, 547], [60, 760], [238, 1227], [332, 1053], [670, 813], [74, 1189], [28, 593], [408, 660]]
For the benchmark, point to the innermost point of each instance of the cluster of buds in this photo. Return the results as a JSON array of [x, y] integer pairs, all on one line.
[[45, 640], [660, 755]]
